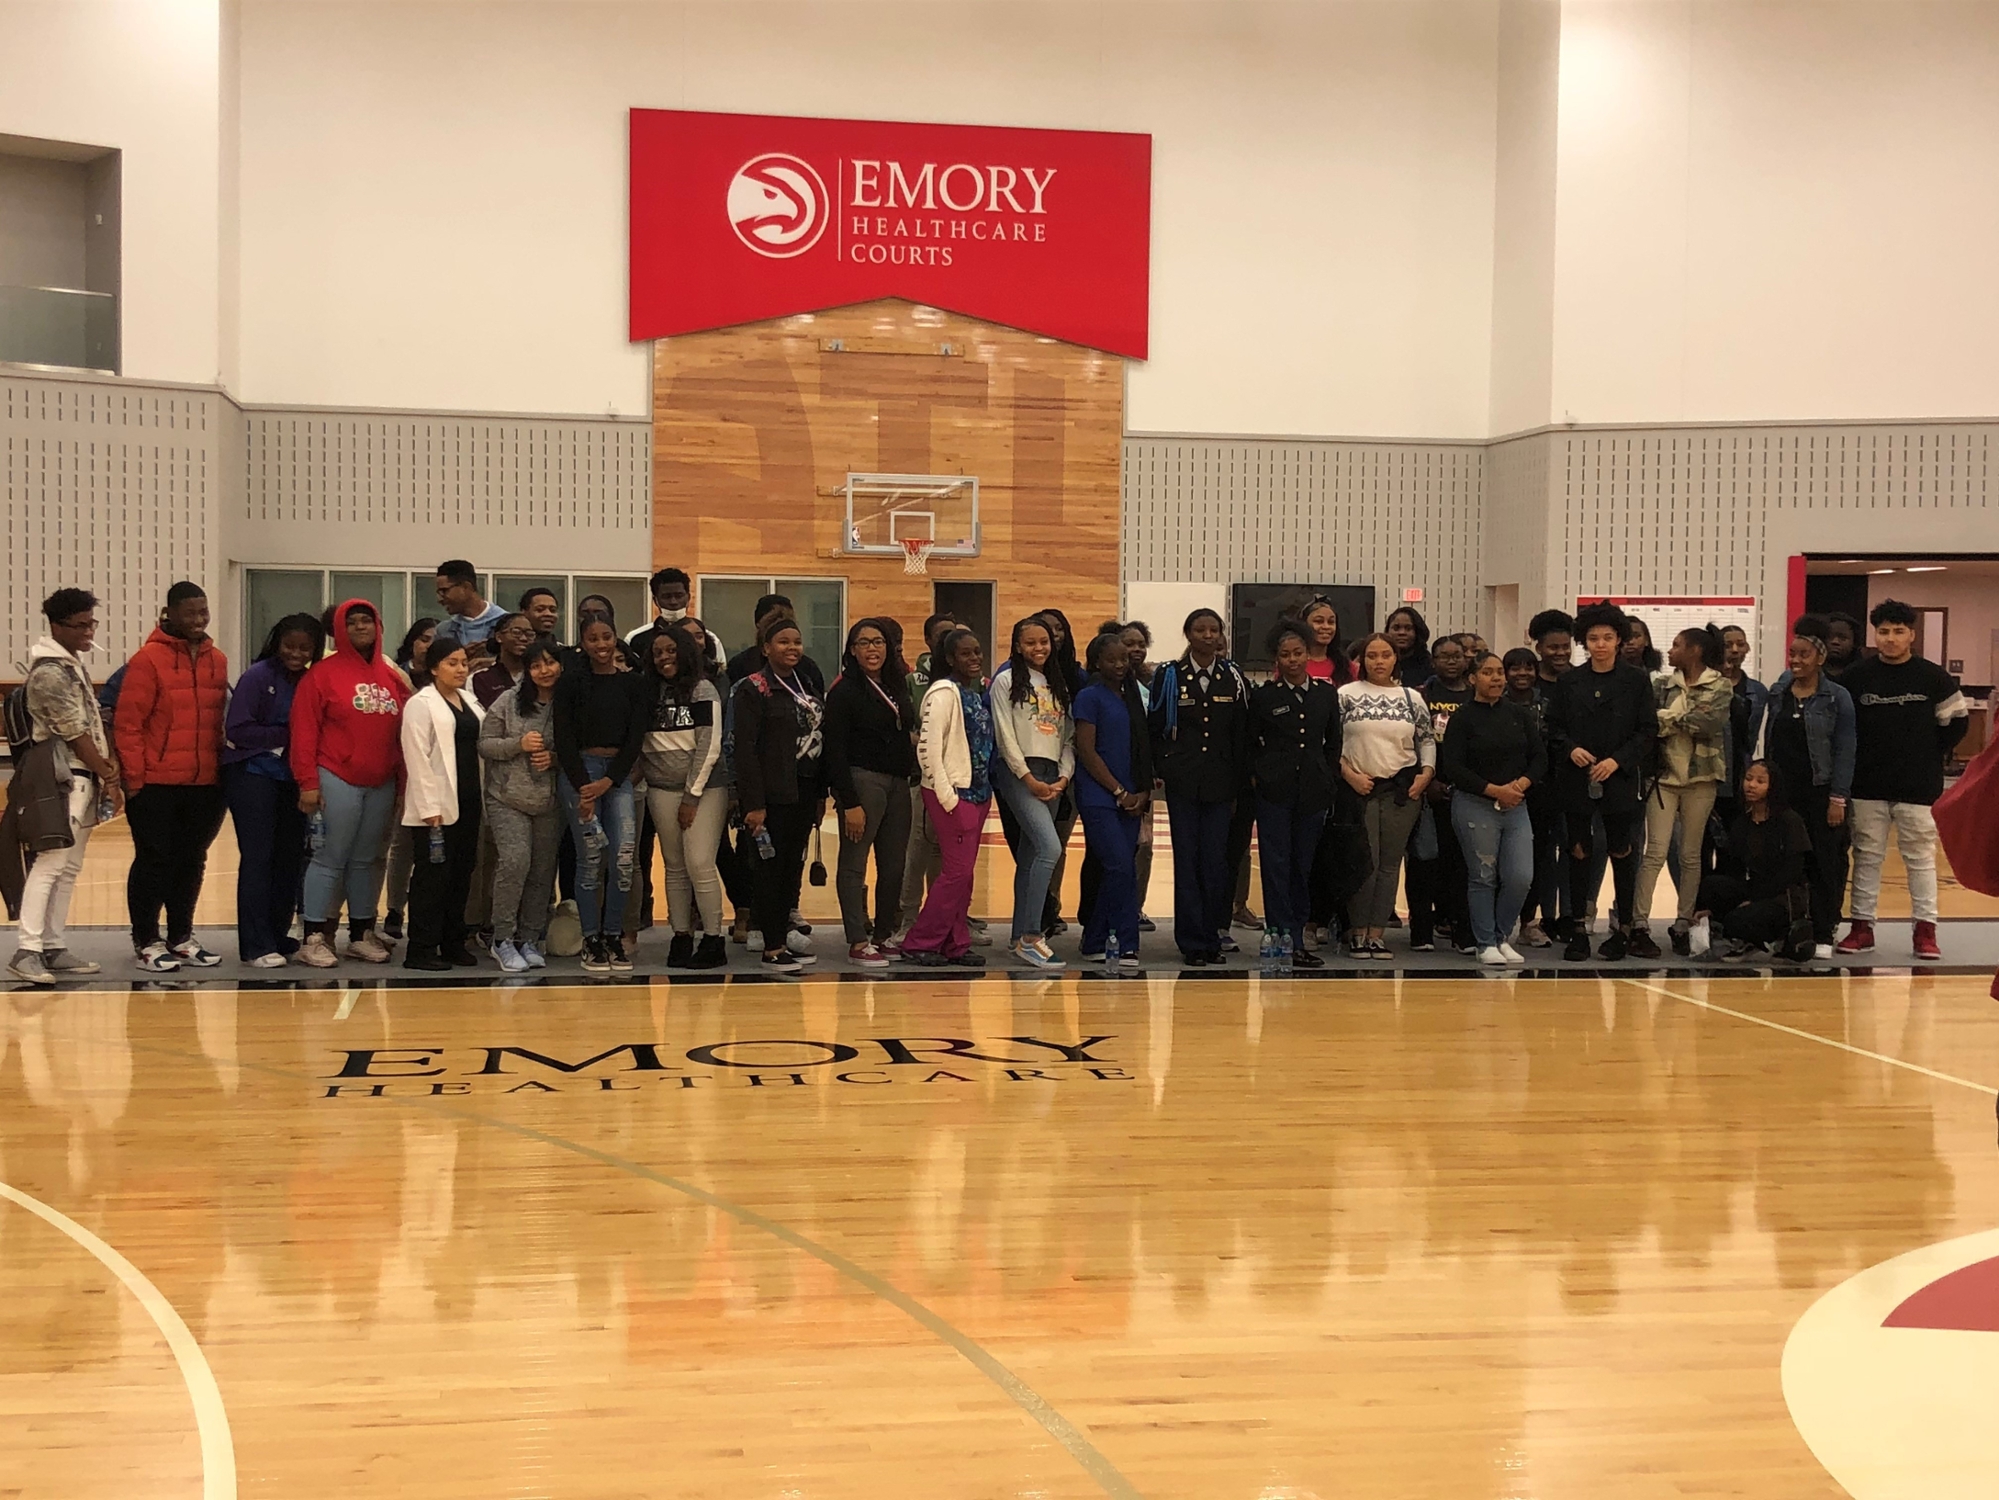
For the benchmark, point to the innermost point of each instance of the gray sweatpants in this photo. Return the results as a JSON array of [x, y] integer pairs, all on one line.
[[693, 881], [524, 852], [885, 802], [1388, 829]]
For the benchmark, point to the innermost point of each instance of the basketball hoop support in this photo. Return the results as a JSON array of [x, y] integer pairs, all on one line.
[[916, 553]]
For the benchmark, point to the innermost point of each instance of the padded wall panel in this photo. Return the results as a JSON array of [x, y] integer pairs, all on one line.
[[110, 486], [1225, 510]]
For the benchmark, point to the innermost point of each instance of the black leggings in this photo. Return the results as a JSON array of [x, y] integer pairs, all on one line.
[[1620, 830], [774, 882]]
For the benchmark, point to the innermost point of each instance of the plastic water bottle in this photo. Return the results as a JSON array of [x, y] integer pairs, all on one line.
[[437, 844], [1267, 954], [765, 848], [1284, 954], [106, 808], [1111, 956], [316, 830]]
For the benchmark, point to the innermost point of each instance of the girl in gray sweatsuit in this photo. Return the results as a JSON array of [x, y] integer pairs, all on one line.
[[522, 810]]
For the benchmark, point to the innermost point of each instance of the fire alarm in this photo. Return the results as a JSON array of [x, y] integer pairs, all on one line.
[[1412, 596]]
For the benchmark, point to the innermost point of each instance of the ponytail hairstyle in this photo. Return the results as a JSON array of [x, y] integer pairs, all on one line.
[[1713, 649], [300, 624]]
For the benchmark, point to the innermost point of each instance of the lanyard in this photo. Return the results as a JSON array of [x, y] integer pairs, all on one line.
[[892, 708], [798, 693]]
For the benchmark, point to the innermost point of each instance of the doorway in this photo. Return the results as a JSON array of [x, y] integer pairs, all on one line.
[[971, 605]]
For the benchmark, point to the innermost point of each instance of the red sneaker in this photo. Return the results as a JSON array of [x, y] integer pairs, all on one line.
[[1924, 941], [1859, 939]]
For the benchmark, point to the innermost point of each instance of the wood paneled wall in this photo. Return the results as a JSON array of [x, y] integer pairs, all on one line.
[[755, 430]]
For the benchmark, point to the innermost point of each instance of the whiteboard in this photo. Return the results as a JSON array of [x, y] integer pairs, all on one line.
[[1666, 615]]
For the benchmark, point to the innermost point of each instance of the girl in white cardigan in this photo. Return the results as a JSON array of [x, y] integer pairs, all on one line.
[[441, 807], [954, 749]]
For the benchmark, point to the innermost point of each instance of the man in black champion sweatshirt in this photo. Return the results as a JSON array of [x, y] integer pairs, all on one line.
[[1909, 715]]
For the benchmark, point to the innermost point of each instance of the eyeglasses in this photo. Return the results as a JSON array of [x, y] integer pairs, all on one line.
[[862, 643]]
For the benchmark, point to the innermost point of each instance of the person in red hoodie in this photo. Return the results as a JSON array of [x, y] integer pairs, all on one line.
[[168, 731], [347, 757]]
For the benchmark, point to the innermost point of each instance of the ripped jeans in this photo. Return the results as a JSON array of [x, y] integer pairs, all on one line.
[[599, 903], [1499, 863]]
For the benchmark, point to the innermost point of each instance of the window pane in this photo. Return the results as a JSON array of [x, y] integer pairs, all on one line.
[[627, 595], [820, 604], [388, 592], [272, 593], [727, 606], [508, 588]]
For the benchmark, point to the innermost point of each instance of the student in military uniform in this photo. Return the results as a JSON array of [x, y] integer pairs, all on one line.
[[1200, 734], [1294, 746]]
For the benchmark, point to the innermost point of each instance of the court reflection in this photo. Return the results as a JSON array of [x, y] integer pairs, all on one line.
[[1365, 1237]]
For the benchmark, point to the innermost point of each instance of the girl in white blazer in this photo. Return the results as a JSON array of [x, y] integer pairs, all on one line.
[[441, 808], [954, 748]]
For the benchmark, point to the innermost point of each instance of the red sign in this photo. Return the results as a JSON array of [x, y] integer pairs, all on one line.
[[738, 218]]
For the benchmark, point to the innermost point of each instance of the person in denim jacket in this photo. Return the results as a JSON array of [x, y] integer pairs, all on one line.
[[1807, 732]]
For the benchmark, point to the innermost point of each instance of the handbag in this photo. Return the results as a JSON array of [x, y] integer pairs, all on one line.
[[817, 875], [1423, 844], [1967, 819]]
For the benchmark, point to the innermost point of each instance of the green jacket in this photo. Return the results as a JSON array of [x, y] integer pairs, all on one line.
[[1693, 725]]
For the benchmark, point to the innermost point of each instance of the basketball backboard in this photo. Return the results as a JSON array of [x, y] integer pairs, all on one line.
[[886, 510]]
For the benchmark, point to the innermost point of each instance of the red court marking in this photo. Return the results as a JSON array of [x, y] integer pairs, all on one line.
[[1966, 1300]]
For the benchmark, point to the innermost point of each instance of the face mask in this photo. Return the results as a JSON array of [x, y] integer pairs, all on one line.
[[673, 616]]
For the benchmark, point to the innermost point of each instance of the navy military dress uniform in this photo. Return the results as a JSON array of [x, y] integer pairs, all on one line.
[[1200, 724]]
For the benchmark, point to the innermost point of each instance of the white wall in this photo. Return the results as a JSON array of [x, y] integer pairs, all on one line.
[[433, 195], [1777, 210], [140, 75]]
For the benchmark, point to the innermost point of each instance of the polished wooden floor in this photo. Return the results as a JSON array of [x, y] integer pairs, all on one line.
[[1455, 1239]]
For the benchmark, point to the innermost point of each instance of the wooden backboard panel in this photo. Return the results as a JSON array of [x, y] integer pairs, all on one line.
[[755, 430]]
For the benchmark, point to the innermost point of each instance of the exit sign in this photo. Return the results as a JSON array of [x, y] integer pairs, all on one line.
[[1412, 596]]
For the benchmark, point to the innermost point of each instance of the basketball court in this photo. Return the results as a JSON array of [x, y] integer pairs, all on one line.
[[1395, 1237]]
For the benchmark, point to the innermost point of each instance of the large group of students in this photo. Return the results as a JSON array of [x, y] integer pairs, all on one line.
[[483, 784]]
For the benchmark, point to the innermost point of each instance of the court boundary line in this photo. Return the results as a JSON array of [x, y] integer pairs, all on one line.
[[211, 1417], [1812, 1036], [1070, 1437]]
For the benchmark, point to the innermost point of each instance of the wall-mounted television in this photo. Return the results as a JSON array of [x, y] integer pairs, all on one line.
[[1255, 607]]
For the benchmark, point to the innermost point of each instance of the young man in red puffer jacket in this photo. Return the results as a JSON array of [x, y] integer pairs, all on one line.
[[168, 730]]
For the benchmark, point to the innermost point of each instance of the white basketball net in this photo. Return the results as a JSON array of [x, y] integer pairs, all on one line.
[[916, 554]]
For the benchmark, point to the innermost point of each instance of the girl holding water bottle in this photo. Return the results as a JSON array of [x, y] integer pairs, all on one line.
[[779, 725], [600, 727], [441, 808], [263, 797]]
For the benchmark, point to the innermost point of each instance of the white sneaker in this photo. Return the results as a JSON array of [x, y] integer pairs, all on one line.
[[1822, 950], [532, 956], [317, 952], [266, 961], [509, 957], [798, 943], [156, 958], [369, 948], [1492, 958], [755, 939], [191, 952], [1510, 954]]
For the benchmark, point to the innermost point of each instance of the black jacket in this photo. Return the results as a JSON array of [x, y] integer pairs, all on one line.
[[863, 731], [1770, 857], [751, 659], [1294, 747], [1491, 744], [1613, 716], [765, 721], [1200, 739]]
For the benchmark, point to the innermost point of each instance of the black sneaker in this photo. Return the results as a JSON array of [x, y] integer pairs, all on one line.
[[620, 961], [925, 959], [712, 954], [596, 957], [1616, 946], [1681, 940], [392, 925], [1146, 924], [967, 960], [780, 962], [1305, 958], [1641, 945], [1577, 951], [680, 951]]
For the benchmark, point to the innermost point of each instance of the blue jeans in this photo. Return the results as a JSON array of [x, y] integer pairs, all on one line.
[[1499, 863], [1040, 847], [1289, 840], [602, 908], [355, 856], [270, 849], [1203, 878], [1112, 836]]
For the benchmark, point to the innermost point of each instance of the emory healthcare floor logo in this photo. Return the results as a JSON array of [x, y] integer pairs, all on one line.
[[1889, 1376], [778, 205]]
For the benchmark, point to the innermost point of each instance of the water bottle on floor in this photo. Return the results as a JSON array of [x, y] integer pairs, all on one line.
[[1111, 956], [437, 844], [1267, 954], [1284, 955]]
